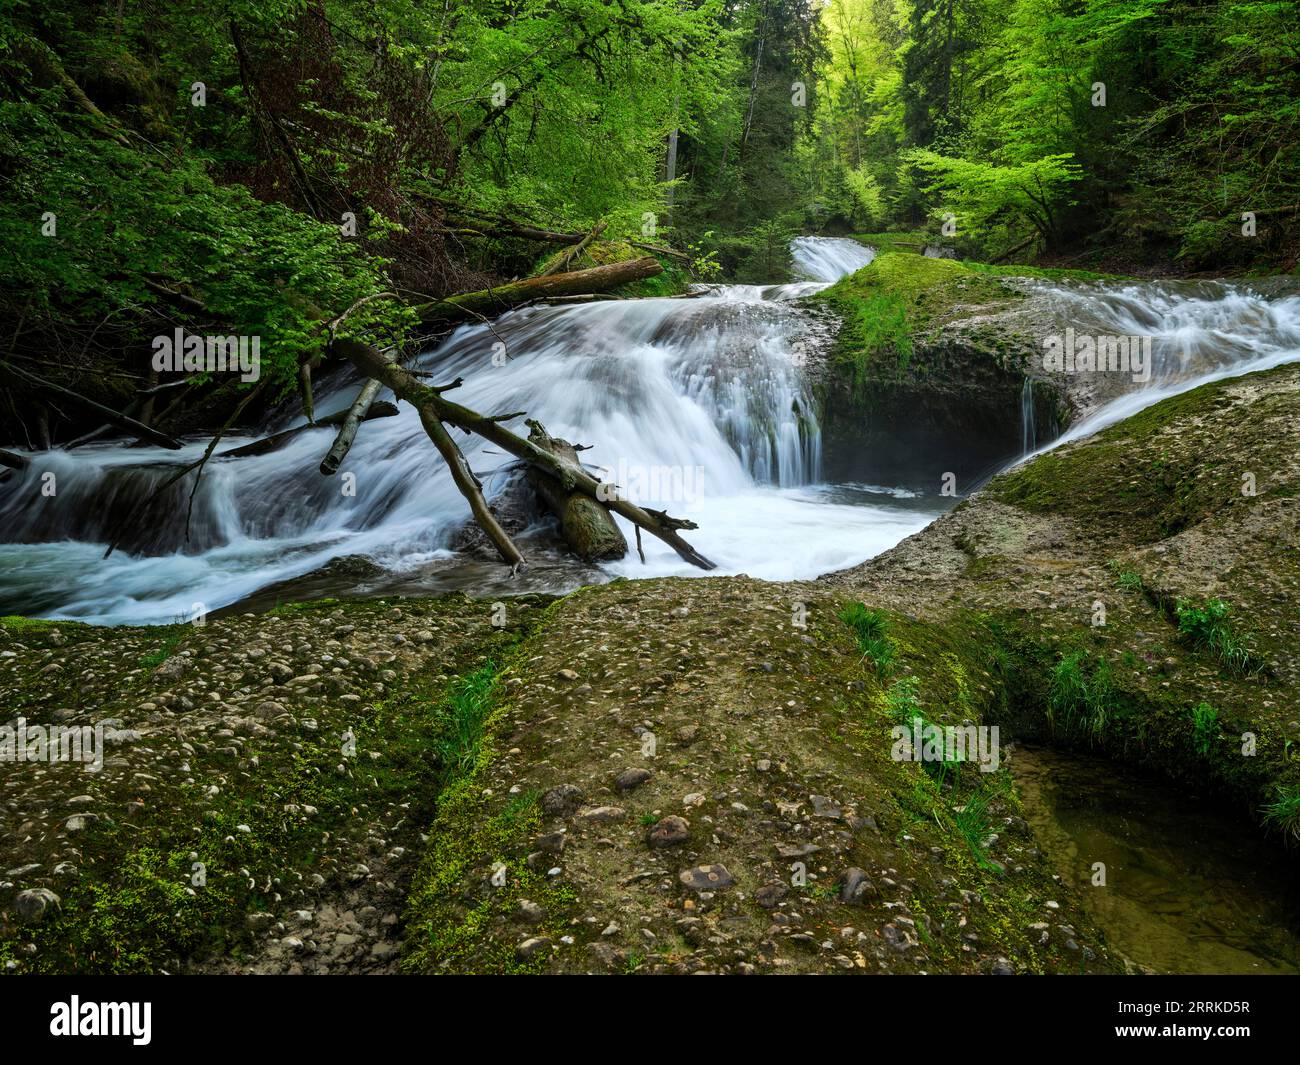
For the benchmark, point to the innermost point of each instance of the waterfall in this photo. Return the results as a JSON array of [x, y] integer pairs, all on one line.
[[1028, 427], [700, 406], [1201, 332], [826, 259]]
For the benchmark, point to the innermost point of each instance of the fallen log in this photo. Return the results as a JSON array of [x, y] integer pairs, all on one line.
[[566, 257], [137, 429], [586, 525], [470, 486], [275, 440], [352, 420], [14, 462], [574, 283], [430, 403], [659, 249]]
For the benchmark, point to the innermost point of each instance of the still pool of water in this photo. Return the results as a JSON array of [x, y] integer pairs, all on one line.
[[1190, 887]]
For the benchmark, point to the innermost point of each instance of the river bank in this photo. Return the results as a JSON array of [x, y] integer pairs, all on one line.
[[636, 777]]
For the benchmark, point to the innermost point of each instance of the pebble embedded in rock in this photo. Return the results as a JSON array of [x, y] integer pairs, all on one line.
[[631, 778], [856, 887], [706, 878], [529, 912], [32, 904], [562, 800], [529, 947]]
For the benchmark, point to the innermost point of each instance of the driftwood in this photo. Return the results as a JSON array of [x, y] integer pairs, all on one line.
[[574, 283], [434, 408], [564, 258], [586, 525], [129, 425], [461, 474], [276, 440], [14, 462], [352, 420], [470, 486]]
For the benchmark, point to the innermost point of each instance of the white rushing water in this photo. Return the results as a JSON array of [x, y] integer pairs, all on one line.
[[698, 406], [693, 405], [1201, 332]]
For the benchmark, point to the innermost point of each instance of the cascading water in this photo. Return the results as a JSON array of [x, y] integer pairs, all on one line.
[[827, 259], [698, 406], [1200, 332], [693, 405], [1028, 428]]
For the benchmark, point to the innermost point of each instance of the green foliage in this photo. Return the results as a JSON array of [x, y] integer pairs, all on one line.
[[983, 196], [1205, 728], [462, 716], [871, 629], [1152, 119], [1080, 697], [1126, 579], [1283, 813], [973, 819], [1207, 627], [156, 658]]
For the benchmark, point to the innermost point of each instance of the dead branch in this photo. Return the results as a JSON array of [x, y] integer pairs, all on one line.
[[433, 406], [137, 429]]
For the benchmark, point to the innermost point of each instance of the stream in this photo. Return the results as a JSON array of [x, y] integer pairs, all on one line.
[[701, 406], [1189, 888]]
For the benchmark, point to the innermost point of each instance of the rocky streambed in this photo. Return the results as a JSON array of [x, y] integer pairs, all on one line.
[[677, 775]]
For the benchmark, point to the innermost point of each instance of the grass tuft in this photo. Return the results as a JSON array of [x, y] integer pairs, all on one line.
[[1284, 812], [871, 628], [1208, 628]]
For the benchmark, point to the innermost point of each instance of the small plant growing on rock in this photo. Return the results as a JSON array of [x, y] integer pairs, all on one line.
[[1080, 696], [1125, 579], [1205, 728], [1284, 812]]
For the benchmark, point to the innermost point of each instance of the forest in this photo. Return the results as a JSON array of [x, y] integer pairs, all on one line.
[[266, 165]]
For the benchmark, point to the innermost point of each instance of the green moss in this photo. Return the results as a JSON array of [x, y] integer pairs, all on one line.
[[473, 871], [907, 240], [891, 302], [141, 903], [1145, 477], [674, 280], [14, 623]]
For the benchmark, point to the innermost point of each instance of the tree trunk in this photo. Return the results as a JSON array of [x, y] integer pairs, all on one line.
[[503, 297], [275, 440], [587, 526], [356, 414], [432, 405]]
